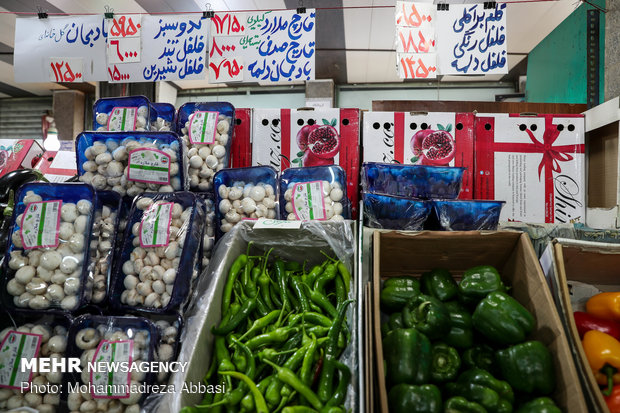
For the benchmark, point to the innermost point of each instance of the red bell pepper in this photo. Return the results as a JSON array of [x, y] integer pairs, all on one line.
[[586, 322], [613, 400]]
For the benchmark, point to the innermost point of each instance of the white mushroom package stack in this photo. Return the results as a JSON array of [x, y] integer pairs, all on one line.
[[157, 269], [87, 335], [103, 242], [205, 159], [127, 113], [53, 343], [103, 160], [51, 275], [208, 238]]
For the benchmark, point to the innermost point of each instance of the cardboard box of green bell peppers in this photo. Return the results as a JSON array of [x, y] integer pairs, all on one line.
[[464, 322], [578, 270], [252, 335]]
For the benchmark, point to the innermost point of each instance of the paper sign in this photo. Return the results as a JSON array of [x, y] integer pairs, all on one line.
[[472, 40], [40, 224], [263, 223], [272, 46], [64, 69], [417, 66], [122, 26], [112, 384], [124, 50], [15, 347]]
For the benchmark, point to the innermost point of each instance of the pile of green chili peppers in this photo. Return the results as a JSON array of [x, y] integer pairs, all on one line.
[[282, 332]]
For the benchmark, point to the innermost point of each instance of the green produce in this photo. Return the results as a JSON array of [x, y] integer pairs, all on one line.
[[428, 315], [407, 354], [479, 386], [397, 291], [439, 283], [501, 319], [461, 334], [462, 405], [539, 405], [407, 398], [528, 367], [479, 281], [480, 356], [446, 363]]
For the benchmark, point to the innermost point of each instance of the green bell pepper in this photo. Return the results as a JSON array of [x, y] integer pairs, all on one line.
[[407, 355], [539, 405], [407, 398], [480, 386], [439, 283], [462, 405], [397, 291], [501, 319], [528, 367], [461, 334], [427, 315], [477, 282], [446, 363], [396, 321], [480, 356]]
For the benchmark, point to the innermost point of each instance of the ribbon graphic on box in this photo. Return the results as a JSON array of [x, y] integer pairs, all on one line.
[[550, 161]]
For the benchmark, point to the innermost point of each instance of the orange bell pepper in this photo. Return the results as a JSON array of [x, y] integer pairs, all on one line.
[[605, 305], [613, 401], [603, 353]]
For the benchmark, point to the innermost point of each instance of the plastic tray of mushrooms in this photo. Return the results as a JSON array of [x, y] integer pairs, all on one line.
[[126, 113], [48, 255]]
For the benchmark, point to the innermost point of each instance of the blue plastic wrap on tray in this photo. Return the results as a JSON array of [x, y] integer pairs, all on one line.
[[126, 113], [206, 128], [412, 181], [314, 193], [163, 117], [108, 339], [105, 235], [160, 255], [391, 212], [245, 193], [157, 161], [47, 262], [456, 215]]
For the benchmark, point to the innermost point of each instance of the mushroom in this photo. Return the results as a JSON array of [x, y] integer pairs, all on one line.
[[87, 338]]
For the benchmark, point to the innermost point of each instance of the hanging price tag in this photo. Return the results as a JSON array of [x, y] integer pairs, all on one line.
[[66, 69]]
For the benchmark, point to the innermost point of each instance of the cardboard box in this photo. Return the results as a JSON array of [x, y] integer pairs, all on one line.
[[390, 137], [18, 154], [587, 262], [399, 253], [58, 166], [241, 150], [603, 168], [275, 143], [534, 163]]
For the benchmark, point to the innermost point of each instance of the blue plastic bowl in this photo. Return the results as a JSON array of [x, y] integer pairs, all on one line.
[[413, 181], [390, 212], [468, 215]]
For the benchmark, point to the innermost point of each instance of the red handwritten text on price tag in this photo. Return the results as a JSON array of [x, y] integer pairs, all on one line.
[[226, 70], [223, 45], [66, 69], [126, 26], [228, 24], [115, 75], [414, 40], [124, 50], [417, 66], [414, 14]]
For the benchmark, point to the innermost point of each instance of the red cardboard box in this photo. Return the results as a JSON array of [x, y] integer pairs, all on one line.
[[275, 141], [534, 163], [19, 154], [58, 166], [397, 137], [241, 152]]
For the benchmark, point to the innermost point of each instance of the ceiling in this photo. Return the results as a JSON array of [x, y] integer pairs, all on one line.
[[354, 45]]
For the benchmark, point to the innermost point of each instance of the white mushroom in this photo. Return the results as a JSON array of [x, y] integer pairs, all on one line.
[[87, 338]]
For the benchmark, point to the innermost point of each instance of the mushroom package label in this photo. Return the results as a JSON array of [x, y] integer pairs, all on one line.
[[308, 201], [150, 166], [40, 224], [123, 119], [15, 347], [155, 225], [202, 127], [111, 383]]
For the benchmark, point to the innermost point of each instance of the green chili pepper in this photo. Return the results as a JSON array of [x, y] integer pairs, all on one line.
[[263, 284], [236, 267], [306, 373], [261, 307], [311, 317], [295, 282], [281, 278], [288, 377], [322, 301], [293, 266], [273, 393], [312, 275], [246, 278], [246, 309], [278, 335], [341, 294], [259, 400], [250, 370], [247, 403], [343, 385], [261, 323], [329, 274], [345, 275]]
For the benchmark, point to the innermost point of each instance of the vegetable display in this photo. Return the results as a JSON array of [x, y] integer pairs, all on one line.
[[279, 344], [462, 347]]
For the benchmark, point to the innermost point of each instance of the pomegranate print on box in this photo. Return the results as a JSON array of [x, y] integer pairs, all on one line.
[[435, 138], [289, 138]]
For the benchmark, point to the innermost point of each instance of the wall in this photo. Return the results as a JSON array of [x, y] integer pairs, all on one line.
[[556, 68]]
